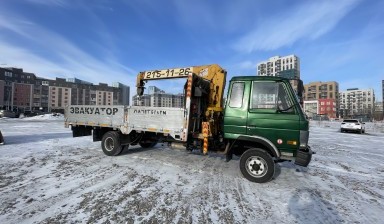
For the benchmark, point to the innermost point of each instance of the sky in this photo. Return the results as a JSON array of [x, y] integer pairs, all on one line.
[[112, 40]]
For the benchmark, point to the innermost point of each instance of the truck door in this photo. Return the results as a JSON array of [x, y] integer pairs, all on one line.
[[272, 114], [235, 119]]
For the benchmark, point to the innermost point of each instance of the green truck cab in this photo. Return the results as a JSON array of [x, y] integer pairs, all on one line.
[[264, 123]]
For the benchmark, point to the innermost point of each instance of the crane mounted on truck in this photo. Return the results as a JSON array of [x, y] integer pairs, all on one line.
[[261, 120]]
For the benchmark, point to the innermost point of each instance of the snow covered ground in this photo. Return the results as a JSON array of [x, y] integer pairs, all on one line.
[[47, 176]]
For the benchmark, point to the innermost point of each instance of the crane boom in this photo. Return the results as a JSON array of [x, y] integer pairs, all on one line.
[[213, 73]]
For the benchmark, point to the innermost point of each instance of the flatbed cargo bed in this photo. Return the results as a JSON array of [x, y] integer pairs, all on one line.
[[170, 121]]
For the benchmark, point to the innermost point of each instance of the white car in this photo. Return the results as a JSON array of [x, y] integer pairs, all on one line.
[[352, 125]]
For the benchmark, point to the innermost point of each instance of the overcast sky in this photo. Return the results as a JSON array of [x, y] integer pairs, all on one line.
[[112, 40]]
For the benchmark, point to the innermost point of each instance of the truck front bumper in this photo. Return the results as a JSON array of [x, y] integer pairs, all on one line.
[[304, 156]]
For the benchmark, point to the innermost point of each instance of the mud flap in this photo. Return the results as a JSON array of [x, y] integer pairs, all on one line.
[[304, 156]]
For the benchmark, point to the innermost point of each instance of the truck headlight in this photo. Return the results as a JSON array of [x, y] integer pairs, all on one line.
[[304, 135]]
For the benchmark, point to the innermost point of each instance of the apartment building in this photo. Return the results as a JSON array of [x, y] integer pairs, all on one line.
[[40, 94], [328, 95], [158, 98], [355, 102], [321, 107], [379, 111], [59, 97], [100, 97], [21, 91], [15, 89], [287, 67], [328, 107], [2, 91], [22, 95], [321, 90], [144, 100], [122, 96]]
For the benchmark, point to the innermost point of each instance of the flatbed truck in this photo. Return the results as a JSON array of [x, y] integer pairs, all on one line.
[[261, 120]]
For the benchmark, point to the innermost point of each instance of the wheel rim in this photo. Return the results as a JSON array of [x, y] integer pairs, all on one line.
[[109, 144], [256, 166]]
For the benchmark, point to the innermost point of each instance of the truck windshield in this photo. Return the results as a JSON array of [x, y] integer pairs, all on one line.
[[271, 95]]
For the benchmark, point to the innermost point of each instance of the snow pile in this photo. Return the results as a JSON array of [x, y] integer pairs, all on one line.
[[45, 117]]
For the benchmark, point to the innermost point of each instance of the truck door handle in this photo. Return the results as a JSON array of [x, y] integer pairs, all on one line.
[[252, 126]]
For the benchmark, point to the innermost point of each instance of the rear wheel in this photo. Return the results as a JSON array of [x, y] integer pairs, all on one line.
[[257, 165], [110, 143]]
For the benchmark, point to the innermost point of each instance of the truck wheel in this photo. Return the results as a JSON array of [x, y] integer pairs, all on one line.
[[257, 165], [145, 145], [110, 143]]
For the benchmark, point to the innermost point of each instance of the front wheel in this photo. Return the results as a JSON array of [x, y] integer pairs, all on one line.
[[257, 165], [110, 143]]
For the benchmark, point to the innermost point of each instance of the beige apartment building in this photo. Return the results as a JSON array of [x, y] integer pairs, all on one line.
[[327, 93], [321, 90], [59, 97], [99, 97]]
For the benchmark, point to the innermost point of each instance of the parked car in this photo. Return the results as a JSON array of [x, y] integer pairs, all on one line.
[[32, 113], [8, 113], [352, 125]]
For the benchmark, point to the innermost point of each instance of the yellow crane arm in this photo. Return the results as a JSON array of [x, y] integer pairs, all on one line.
[[214, 73]]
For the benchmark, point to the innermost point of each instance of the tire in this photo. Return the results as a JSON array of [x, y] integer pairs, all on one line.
[[110, 143], [146, 145], [257, 165], [360, 131]]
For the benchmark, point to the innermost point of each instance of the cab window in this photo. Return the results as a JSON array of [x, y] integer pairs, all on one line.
[[270, 96], [237, 93]]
